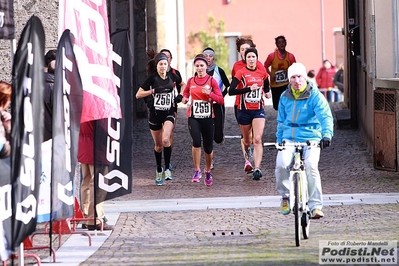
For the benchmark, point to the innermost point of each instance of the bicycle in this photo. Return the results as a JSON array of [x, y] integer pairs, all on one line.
[[299, 195]]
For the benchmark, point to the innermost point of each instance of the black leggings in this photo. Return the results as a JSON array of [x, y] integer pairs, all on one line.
[[276, 93], [219, 112], [204, 128]]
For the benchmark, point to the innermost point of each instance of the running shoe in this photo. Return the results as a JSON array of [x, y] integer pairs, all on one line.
[[171, 168], [285, 206], [257, 174], [168, 174], [208, 179], [197, 176], [248, 167], [212, 165], [317, 214], [159, 178]]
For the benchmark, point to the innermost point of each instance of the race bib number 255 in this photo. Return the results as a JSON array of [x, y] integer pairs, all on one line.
[[201, 109]]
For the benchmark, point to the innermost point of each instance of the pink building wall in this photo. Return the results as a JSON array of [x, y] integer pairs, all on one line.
[[263, 20]]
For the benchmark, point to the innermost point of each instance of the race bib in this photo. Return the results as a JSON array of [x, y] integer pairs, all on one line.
[[254, 96], [163, 101], [201, 109], [281, 76]]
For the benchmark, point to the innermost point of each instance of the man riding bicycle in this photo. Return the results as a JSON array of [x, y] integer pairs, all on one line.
[[303, 115]]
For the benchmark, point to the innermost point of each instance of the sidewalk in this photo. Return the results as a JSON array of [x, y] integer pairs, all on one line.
[[230, 206], [237, 220]]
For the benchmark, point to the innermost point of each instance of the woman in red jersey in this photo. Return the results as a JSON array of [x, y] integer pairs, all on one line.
[[200, 93], [250, 110], [242, 45]]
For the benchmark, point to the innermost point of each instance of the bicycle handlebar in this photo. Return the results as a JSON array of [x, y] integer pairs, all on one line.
[[291, 144]]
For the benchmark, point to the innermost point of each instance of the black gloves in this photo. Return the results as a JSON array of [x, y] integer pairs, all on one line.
[[149, 100], [178, 98], [281, 145], [325, 142]]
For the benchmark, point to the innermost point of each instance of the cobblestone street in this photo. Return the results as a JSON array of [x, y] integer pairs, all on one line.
[[233, 235]]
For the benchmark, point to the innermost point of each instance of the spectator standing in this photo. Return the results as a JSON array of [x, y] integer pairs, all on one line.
[[202, 91], [303, 115], [5, 125], [339, 82], [278, 62], [5, 133], [86, 159], [251, 114], [49, 70], [312, 77], [324, 80]]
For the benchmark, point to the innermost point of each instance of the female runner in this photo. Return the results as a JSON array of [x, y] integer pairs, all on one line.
[[159, 86], [250, 111], [202, 90]]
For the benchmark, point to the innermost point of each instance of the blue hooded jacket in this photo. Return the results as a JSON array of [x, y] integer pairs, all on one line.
[[306, 118]]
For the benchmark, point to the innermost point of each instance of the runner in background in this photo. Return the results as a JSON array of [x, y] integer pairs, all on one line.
[[251, 113], [219, 110], [200, 93], [178, 88], [242, 45], [279, 61]]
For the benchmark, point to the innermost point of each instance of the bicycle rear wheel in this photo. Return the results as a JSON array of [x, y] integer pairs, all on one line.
[[296, 210]]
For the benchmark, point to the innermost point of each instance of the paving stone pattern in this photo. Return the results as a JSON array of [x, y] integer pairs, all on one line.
[[345, 167], [252, 236]]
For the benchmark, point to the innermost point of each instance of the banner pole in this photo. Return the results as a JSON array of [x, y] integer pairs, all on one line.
[[21, 257]]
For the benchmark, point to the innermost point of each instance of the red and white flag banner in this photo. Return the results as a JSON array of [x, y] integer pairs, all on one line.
[[87, 20]]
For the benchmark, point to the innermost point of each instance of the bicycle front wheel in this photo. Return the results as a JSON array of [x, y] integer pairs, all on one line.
[[305, 223], [296, 210]]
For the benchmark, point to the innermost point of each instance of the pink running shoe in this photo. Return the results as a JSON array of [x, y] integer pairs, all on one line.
[[208, 179], [197, 176], [248, 167]]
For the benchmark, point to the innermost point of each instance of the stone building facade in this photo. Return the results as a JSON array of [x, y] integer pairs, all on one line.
[[137, 15], [47, 11]]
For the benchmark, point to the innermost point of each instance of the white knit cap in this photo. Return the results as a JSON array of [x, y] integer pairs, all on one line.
[[297, 69]]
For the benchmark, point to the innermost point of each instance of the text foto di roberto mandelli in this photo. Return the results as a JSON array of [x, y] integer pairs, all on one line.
[[358, 243]]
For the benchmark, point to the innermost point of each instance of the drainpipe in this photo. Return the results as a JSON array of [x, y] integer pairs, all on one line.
[[181, 41], [373, 45], [395, 36]]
